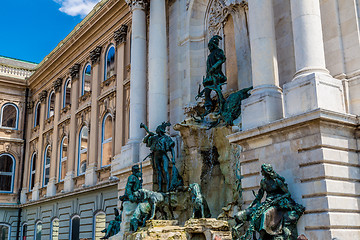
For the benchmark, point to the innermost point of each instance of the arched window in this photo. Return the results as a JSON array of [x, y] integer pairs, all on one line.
[[9, 116], [7, 172], [106, 140], [4, 231], [54, 231], [99, 225], [37, 114], [75, 228], [32, 171], [47, 157], [63, 158], [86, 79], [24, 231], [83, 147], [38, 230], [67, 93], [51, 105], [109, 62]]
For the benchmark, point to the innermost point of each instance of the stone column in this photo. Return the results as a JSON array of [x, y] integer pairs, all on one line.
[[312, 85], [54, 164], [72, 158], [90, 174], [158, 67], [137, 76], [120, 38], [40, 154], [265, 103]]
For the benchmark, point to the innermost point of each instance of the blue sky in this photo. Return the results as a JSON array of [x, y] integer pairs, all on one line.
[[31, 29]]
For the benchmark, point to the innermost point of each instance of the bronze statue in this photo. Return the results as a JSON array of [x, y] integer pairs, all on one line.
[[160, 144], [277, 216], [133, 184], [114, 226], [200, 206], [215, 78], [228, 109]]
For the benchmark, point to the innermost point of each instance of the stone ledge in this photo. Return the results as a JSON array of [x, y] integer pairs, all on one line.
[[317, 114]]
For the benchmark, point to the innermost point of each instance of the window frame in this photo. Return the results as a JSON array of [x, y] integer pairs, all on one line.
[[94, 222], [62, 159], [46, 165], [64, 93], [36, 224], [105, 62], [12, 173], [104, 141], [71, 225], [32, 172], [52, 94], [22, 230], [82, 92], [81, 151], [17, 116], [37, 114], [52, 225], [9, 227]]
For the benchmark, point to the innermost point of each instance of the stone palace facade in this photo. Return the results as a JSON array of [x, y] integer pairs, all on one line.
[[70, 133]]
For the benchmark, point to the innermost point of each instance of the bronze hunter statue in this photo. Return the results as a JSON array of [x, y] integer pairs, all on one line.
[[114, 226], [160, 144], [274, 218]]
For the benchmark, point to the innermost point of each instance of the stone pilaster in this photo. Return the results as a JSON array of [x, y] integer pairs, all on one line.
[[95, 124], [40, 154], [265, 103], [54, 164], [312, 85], [72, 158], [120, 38], [158, 67]]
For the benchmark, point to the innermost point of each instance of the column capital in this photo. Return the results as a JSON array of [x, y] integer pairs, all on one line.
[[74, 71], [120, 34], [30, 105], [95, 55], [57, 84], [42, 96], [137, 4]]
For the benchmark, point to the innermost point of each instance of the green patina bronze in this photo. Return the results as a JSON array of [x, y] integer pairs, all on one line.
[[114, 226], [274, 218], [160, 144], [229, 109], [133, 184]]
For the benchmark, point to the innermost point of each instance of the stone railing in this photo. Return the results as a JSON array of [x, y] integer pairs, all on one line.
[[15, 72]]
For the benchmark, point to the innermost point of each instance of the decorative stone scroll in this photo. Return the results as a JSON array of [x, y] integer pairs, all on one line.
[[120, 34], [57, 84], [74, 71], [43, 95], [95, 55]]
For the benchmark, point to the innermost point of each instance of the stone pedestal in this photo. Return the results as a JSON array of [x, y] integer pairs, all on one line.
[[128, 211], [262, 107], [313, 91]]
